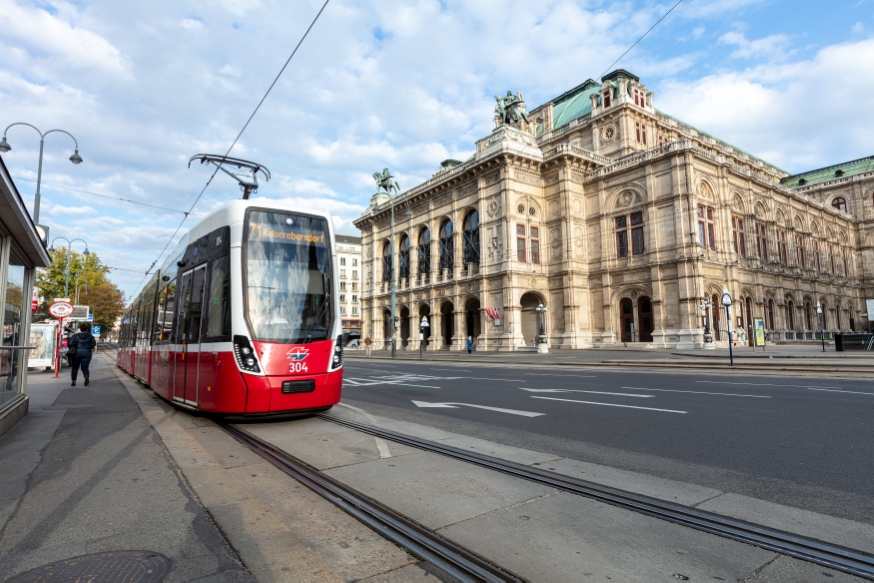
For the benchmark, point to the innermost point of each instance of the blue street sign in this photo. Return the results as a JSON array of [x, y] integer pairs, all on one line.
[[90, 317], [95, 330]]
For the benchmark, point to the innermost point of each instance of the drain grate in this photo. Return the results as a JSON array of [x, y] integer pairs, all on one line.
[[108, 567]]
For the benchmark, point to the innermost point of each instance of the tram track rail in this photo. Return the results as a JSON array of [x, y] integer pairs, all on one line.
[[423, 543], [822, 553]]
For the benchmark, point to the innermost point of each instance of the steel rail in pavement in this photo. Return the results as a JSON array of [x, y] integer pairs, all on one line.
[[425, 544], [807, 549]]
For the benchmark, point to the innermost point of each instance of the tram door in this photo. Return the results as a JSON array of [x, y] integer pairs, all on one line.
[[190, 318]]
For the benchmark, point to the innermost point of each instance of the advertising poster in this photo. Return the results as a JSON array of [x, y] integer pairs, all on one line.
[[759, 325], [43, 336]]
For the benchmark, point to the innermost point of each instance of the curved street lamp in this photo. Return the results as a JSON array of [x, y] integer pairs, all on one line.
[[821, 325], [75, 158], [67, 268]]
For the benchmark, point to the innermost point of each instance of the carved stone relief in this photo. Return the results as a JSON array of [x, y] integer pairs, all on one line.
[[628, 198], [527, 177], [493, 208], [551, 177], [578, 206]]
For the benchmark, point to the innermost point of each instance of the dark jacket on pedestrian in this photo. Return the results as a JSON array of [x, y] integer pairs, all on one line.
[[81, 344]]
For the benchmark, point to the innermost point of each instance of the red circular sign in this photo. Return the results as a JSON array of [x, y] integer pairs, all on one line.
[[61, 310]]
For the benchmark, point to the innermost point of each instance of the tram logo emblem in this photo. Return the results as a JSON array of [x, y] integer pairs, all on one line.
[[298, 353]]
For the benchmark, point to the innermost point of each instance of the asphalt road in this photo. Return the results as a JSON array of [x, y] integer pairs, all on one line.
[[802, 442]]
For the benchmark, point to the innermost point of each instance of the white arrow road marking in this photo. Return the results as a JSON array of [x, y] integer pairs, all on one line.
[[427, 404], [456, 405], [697, 392], [581, 391], [609, 405]]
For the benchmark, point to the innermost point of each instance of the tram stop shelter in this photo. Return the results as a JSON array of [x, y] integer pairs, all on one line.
[[22, 250]]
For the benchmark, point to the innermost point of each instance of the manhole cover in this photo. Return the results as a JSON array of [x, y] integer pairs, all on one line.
[[109, 567]]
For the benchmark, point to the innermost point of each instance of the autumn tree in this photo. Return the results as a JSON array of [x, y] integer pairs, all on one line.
[[89, 276]]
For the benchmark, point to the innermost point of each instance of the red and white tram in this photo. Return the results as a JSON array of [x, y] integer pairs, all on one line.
[[243, 319]]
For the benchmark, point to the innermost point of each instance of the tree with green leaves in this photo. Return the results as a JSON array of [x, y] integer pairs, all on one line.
[[89, 277]]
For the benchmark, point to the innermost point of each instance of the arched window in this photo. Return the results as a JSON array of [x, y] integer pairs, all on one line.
[[840, 203], [771, 315], [807, 314], [790, 311], [387, 262], [404, 257], [446, 247], [470, 241], [424, 251]]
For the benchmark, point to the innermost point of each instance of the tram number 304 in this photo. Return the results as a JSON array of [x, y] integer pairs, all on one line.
[[298, 367]]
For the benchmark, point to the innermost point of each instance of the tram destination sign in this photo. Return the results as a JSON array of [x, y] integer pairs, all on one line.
[[61, 310]]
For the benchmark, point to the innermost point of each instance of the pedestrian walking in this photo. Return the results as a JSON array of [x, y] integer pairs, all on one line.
[[81, 345], [469, 344], [367, 345]]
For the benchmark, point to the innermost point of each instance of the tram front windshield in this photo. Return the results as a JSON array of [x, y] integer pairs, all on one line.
[[288, 276]]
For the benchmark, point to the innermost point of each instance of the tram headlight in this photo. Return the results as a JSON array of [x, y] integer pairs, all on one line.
[[245, 355], [337, 360]]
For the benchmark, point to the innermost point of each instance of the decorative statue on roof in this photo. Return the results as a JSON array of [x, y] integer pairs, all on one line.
[[510, 110], [386, 181]]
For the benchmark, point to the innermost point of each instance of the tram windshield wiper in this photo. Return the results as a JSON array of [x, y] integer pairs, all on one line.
[[318, 320]]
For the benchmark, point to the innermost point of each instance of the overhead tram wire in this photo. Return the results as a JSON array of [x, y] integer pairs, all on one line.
[[163, 208], [239, 135], [607, 70]]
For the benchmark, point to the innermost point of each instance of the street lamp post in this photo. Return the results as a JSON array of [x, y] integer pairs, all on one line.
[[821, 327], [75, 158], [705, 306], [408, 214], [726, 301], [542, 347], [69, 255]]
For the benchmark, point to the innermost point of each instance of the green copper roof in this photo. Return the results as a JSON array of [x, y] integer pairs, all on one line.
[[845, 169], [573, 104]]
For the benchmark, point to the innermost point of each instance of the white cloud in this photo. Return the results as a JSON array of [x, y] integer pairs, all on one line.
[[797, 115], [46, 36], [773, 46]]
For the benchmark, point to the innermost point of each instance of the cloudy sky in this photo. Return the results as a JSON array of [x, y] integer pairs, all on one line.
[[400, 83]]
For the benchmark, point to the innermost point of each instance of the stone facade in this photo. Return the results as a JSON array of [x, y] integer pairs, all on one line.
[[620, 221]]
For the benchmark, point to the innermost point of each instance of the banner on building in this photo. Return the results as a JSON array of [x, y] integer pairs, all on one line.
[[494, 316], [870, 304]]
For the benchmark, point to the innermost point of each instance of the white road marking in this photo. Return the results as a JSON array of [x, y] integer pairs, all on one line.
[[765, 385], [580, 391], [839, 391], [609, 405], [456, 405], [381, 444], [370, 382], [452, 369], [573, 376], [696, 392]]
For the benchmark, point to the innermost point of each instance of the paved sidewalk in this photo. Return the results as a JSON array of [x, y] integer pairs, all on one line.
[[84, 473]]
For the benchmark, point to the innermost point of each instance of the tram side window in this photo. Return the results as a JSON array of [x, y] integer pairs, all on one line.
[[218, 319], [168, 320]]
